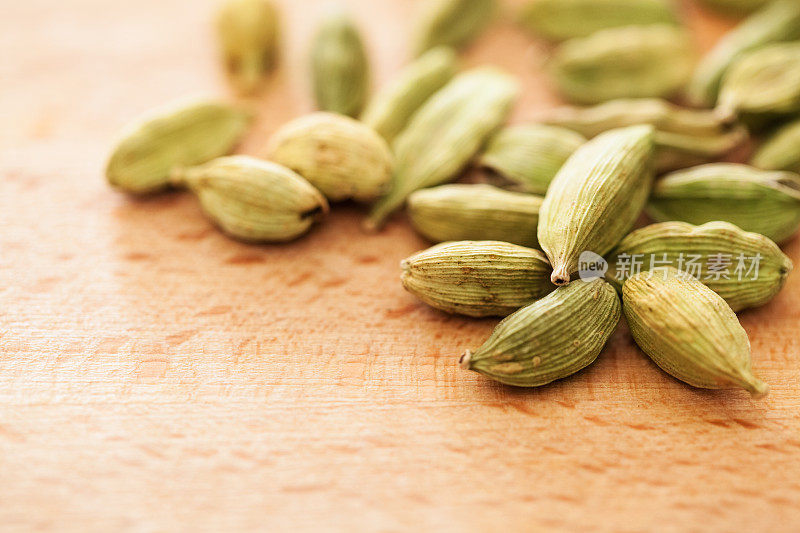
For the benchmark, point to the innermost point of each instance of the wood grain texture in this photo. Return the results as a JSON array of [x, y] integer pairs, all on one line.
[[156, 376]]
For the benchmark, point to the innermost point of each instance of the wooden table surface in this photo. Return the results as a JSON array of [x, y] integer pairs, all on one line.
[[156, 376]]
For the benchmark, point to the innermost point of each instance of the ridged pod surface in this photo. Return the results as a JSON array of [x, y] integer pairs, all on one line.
[[446, 134], [625, 62], [454, 23], [393, 106], [475, 212], [248, 32], [254, 200], [559, 20], [710, 247], [765, 202], [763, 82], [181, 134], [781, 151], [340, 68], [340, 156], [689, 331], [477, 278], [777, 21], [596, 197], [530, 154], [550, 339], [684, 137]]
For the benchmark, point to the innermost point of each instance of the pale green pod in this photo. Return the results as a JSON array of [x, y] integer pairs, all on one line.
[[446, 134], [781, 151], [765, 202], [625, 62], [476, 213], [595, 198], [777, 21], [181, 134], [248, 33], [454, 23], [746, 269], [477, 278], [340, 156], [530, 154], [550, 339], [393, 106], [735, 7], [254, 200], [763, 82], [340, 68], [689, 331], [684, 137], [559, 20]]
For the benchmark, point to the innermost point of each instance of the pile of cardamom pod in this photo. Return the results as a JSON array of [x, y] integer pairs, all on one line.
[[549, 242]]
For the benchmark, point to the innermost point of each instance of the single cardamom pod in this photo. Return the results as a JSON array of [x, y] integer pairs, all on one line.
[[746, 269], [530, 154], [625, 62], [180, 134], [559, 20], [340, 156], [735, 7], [446, 133], [475, 212], [684, 137], [390, 110], [454, 23], [689, 331], [253, 200], [340, 68], [764, 202], [781, 151], [596, 197], [550, 339], [477, 278], [763, 82], [248, 34], [775, 22]]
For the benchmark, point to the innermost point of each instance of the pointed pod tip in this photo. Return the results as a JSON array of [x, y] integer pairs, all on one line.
[[757, 388], [465, 359]]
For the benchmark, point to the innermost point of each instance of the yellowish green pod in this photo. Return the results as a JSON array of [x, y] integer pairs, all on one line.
[[551, 338], [781, 151], [689, 331], [477, 278], [475, 212], [454, 23], [735, 7], [625, 62]]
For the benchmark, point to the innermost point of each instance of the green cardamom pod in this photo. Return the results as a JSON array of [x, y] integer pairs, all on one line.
[[559, 20], [477, 278], [689, 331], [446, 134], [764, 202], [253, 200], [735, 7], [550, 339], [530, 154], [781, 151], [340, 156], [777, 21], [181, 134], [340, 68], [684, 137], [625, 62], [746, 269], [763, 82], [475, 213], [390, 110], [595, 198], [248, 33], [454, 23]]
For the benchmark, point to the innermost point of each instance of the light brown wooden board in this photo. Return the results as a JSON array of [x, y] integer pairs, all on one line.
[[156, 376]]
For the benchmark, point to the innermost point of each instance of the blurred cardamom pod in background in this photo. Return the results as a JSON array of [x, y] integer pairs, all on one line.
[[454, 23], [781, 150]]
